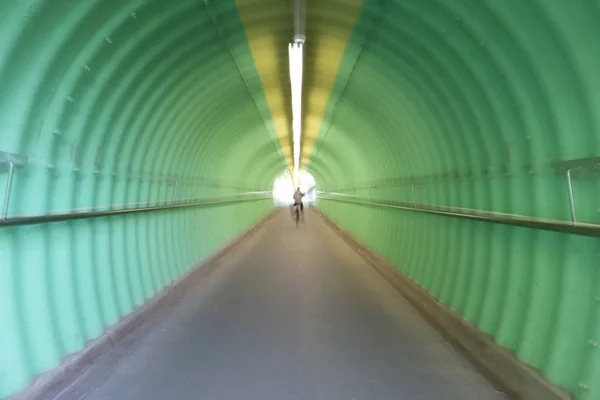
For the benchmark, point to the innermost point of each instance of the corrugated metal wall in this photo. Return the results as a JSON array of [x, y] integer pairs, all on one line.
[[111, 105], [471, 104]]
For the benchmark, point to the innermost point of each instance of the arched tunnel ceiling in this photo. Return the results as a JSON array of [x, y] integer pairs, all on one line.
[[131, 89], [466, 103], [437, 91], [430, 89]]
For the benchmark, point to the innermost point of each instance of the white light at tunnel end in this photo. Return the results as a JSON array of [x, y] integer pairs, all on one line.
[[284, 187]]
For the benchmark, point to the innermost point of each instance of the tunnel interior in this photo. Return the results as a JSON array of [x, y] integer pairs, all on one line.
[[480, 106]]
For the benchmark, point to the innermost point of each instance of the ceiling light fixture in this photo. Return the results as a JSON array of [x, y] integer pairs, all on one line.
[[296, 54]]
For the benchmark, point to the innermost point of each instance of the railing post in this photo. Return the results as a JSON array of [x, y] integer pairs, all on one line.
[[13, 161], [11, 169], [174, 193], [571, 197]]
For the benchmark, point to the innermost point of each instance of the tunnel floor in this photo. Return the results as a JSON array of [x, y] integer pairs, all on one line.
[[289, 314]]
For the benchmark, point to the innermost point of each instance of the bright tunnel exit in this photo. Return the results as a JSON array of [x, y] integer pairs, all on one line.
[[284, 188]]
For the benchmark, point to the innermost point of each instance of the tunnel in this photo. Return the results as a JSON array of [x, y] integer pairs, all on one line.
[[458, 141]]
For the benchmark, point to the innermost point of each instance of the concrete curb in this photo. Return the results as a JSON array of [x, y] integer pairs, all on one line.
[[50, 384], [516, 379]]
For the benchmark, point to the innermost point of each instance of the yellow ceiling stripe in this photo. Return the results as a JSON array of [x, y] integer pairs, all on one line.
[[269, 28]]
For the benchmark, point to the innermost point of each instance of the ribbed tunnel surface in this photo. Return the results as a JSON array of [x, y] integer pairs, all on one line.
[[291, 314], [472, 106]]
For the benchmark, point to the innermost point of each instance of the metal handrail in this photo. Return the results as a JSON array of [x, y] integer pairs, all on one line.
[[61, 217], [576, 228]]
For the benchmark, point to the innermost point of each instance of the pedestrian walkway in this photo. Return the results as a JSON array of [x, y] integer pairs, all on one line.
[[292, 313]]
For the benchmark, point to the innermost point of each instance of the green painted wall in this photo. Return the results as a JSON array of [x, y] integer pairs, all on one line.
[[472, 101], [113, 101]]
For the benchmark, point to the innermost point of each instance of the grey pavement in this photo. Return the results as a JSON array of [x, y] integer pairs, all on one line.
[[292, 313]]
